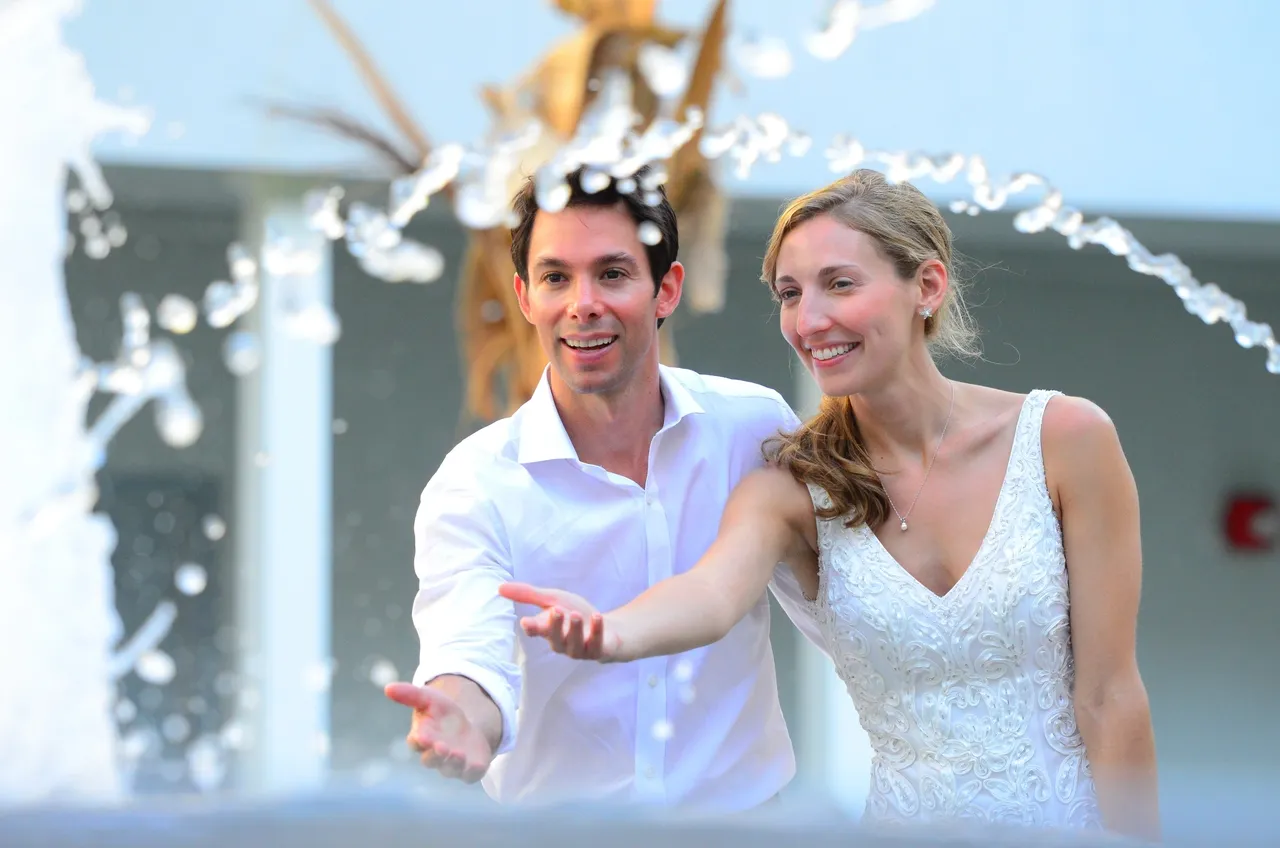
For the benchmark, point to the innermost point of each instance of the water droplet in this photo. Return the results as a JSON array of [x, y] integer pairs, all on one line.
[[156, 667], [648, 233], [315, 322], [285, 257], [77, 201], [117, 235], [767, 58], [652, 198], [376, 772], [626, 185], [339, 426], [241, 353], [383, 672], [214, 527], [126, 711], [243, 265], [663, 730], [321, 208], [190, 578], [178, 421], [407, 261], [594, 181], [177, 314], [137, 743], [491, 311], [684, 671], [220, 304], [175, 728], [798, 143], [319, 677], [664, 69], [1273, 359], [233, 735], [555, 196], [1251, 334], [206, 763], [164, 522], [97, 247], [686, 693]]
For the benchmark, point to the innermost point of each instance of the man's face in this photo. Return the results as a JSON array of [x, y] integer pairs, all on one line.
[[590, 295]]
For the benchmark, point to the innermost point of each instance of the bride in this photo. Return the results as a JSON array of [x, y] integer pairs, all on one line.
[[973, 556]]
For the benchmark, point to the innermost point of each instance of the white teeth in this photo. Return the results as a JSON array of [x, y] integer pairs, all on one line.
[[824, 353], [588, 345]]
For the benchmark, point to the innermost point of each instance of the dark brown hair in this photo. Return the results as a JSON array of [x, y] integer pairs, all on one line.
[[659, 213]]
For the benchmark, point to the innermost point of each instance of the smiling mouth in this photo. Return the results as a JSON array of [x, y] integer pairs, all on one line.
[[822, 354], [589, 345]]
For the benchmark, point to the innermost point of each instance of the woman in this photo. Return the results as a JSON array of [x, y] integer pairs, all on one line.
[[973, 555]]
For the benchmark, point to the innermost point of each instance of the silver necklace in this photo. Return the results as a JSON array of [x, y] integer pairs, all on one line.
[[903, 518]]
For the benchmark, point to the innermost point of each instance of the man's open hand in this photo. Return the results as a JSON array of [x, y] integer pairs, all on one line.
[[442, 734]]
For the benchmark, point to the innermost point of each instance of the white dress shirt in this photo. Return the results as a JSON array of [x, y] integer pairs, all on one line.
[[703, 730]]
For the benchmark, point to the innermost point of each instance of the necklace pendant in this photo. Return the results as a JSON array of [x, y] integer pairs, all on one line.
[[903, 525]]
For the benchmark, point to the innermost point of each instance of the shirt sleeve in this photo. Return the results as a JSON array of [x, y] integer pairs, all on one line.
[[464, 627], [788, 422]]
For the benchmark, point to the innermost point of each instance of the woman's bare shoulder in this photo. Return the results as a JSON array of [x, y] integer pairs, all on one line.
[[776, 487]]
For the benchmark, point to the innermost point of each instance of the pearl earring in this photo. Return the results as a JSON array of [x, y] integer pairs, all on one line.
[[926, 312]]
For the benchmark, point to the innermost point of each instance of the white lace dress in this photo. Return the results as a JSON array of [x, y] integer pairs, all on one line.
[[967, 697]]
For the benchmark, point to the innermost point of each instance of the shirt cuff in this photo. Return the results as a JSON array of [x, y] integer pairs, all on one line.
[[493, 684]]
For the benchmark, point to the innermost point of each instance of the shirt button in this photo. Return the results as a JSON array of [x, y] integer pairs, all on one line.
[[653, 680]]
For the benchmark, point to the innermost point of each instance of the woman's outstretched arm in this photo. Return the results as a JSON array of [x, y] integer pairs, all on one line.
[[764, 523]]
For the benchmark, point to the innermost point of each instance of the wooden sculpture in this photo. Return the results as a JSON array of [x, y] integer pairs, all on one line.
[[500, 349]]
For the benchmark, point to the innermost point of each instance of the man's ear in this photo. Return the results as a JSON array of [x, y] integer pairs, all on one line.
[[670, 290], [522, 296]]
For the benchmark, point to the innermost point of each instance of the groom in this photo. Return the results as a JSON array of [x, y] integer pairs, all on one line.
[[609, 479]]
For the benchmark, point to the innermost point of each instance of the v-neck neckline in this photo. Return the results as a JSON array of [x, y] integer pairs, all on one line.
[[977, 558]]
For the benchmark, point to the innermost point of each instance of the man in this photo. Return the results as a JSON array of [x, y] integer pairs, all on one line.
[[612, 477]]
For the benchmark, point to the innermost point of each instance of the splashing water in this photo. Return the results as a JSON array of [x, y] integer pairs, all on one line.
[[1206, 301], [767, 58], [54, 554], [847, 17], [57, 734]]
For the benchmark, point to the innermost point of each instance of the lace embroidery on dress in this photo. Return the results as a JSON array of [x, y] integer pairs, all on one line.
[[966, 697]]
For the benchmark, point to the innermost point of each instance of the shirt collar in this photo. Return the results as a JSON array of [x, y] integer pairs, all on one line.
[[542, 433]]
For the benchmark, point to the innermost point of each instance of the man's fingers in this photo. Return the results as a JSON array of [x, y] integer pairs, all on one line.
[[594, 643], [555, 634], [538, 625], [574, 636], [523, 593], [437, 757]]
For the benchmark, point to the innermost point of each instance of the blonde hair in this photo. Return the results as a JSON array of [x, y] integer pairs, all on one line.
[[828, 451]]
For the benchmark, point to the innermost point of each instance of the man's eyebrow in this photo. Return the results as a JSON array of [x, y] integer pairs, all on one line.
[[618, 258]]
